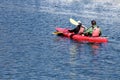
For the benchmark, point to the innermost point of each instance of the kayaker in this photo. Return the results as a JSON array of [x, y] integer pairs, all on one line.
[[79, 29], [94, 30]]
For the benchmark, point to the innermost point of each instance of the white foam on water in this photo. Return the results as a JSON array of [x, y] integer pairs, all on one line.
[[62, 2], [113, 2], [67, 2]]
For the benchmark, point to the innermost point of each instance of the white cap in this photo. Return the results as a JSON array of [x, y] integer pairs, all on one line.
[[79, 22]]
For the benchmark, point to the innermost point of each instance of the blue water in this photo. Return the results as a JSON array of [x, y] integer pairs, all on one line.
[[29, 50]]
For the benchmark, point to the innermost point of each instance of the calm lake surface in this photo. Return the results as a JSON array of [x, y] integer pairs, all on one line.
[[29, 50]]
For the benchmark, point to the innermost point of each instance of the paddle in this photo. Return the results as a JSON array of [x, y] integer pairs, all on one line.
[[56, 33], [73, 21]]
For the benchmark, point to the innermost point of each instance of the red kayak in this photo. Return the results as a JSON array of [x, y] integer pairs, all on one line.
[[78, 37]]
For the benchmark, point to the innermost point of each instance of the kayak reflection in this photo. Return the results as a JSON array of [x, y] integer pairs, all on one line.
[[85, 48], [80, 55], [95, 47], [76, 47]]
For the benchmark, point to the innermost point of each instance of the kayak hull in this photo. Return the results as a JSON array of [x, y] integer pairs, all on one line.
[[77, 37]]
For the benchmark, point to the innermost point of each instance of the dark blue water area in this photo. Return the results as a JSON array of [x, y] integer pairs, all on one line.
[[29, 50]]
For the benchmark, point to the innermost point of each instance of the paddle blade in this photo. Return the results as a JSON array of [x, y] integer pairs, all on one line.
[[73, 21], [56, 33]]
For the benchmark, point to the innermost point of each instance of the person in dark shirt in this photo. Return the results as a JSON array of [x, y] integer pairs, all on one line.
[[79, 29]]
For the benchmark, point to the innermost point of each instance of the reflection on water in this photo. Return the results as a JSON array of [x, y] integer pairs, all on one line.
[[78, 53], [73, 50], [76, 48], [95, 48]]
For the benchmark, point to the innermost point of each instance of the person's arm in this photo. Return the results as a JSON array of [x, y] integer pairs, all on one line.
[[72, 30], [88, 30]]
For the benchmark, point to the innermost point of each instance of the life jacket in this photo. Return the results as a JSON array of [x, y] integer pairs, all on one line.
[[96, 32], [82, 29]]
